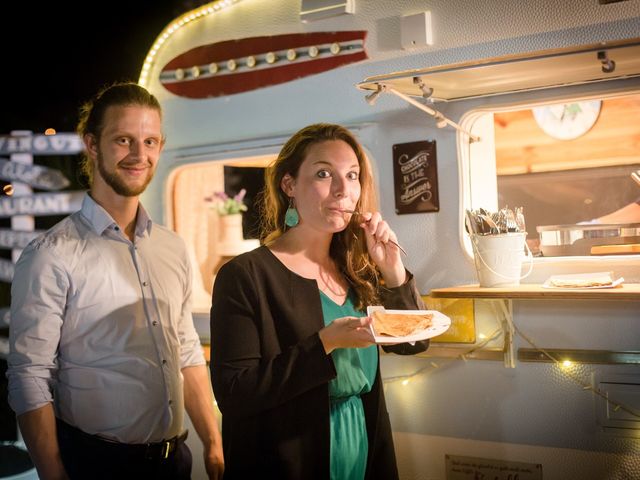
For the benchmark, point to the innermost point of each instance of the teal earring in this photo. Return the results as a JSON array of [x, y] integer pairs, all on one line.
[[291, 217]]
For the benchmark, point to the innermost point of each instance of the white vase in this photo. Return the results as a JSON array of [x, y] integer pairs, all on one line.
[[230, 233]]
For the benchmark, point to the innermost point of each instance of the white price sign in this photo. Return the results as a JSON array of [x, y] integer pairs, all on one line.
[[58, 144], [41, 204], [34, 175]]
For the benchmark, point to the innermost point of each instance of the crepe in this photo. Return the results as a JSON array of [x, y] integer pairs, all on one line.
[[400, 324], [582, 281]]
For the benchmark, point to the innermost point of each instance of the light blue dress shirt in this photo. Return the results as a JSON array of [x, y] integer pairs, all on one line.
[[102, 326]]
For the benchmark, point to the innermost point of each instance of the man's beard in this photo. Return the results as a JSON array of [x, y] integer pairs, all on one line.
[[117, 184]]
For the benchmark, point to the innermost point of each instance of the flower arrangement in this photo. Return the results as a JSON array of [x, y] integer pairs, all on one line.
[[227, 205]]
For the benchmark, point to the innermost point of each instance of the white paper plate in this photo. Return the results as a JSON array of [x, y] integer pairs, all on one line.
[[440, 324], [613, 284]]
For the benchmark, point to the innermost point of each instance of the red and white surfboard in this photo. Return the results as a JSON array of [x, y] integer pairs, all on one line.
[[237, 66]]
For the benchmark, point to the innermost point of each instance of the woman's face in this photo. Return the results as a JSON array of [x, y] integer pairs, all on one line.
[[327, 183]]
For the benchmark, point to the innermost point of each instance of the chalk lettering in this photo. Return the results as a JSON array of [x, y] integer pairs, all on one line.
[[410, 164], [413, 191]]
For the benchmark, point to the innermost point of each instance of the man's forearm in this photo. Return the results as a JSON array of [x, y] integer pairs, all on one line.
[[198, 401], [38, 428]]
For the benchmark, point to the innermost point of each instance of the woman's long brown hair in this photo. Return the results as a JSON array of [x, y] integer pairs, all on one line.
[[348, 248]]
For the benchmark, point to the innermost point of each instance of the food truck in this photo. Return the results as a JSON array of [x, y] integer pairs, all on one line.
[[460, 106]]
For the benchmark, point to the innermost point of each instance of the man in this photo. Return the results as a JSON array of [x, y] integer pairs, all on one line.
[[104, 354]]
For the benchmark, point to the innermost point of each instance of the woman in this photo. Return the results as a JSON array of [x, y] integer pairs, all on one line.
[[294, 365]]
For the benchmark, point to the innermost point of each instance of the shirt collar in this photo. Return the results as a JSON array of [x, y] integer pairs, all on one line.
[[100, 220]]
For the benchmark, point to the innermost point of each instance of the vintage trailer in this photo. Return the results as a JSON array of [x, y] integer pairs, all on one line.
[[529, 382]]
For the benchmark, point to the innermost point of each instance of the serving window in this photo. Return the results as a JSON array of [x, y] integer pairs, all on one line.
[[196, 220], [569, 163]]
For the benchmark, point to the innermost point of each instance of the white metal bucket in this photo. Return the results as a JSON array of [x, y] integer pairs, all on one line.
[[499, 258]]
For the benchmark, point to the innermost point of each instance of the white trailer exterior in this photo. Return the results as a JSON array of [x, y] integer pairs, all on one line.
[[450, 406]]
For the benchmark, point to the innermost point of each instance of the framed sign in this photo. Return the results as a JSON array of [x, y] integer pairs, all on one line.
[[415, 177]]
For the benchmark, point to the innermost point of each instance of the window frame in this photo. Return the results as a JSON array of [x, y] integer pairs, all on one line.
[[478, 179]]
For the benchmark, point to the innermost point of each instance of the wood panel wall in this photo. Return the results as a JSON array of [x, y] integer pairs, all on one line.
[[523, 147]]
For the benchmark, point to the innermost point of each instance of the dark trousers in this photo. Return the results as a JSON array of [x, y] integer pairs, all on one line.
[[87, 456]]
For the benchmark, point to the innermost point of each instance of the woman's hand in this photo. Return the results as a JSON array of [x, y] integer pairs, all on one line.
[[347, 332], [384, 253]]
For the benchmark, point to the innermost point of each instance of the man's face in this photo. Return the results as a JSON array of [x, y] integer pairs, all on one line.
[[128, 149]]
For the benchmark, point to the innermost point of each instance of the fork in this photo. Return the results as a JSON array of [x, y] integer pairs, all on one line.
[[356, 212]]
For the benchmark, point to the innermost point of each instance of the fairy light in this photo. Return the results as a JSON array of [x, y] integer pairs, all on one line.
[[433, 365], [564, 366], [568, 372], [173, 27]]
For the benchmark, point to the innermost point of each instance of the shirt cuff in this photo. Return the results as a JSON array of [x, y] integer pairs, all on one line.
[[27, 394]]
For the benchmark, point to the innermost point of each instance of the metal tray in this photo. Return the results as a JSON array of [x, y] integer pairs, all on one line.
[[571, 240]]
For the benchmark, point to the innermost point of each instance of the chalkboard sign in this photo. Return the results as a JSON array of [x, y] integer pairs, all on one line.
[[415, 177]]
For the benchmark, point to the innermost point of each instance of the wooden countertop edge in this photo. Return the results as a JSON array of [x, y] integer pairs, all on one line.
[[626, 291]]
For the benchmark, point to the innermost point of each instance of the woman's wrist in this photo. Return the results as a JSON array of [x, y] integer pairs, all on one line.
[[325, 339], [396, 277]]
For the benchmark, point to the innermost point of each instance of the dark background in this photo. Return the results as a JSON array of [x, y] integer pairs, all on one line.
[[55, 56]]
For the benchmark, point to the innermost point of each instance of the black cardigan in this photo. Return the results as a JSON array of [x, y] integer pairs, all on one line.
[[270, 373]]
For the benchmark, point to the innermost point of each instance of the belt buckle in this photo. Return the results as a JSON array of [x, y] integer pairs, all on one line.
[[166, 448]]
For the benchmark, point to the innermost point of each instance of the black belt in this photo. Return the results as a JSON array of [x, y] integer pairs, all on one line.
[[149, 451]]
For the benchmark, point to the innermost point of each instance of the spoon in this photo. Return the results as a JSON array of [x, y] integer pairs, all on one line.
[[355, 212]]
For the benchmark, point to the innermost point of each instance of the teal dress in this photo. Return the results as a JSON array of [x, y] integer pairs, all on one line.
[[356, 371]]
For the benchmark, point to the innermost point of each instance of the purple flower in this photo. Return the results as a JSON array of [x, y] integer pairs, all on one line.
[[228, 205], [240, 195]]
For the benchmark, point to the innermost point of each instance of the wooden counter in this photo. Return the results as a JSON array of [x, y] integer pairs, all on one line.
[[530, 291], [502, 299]]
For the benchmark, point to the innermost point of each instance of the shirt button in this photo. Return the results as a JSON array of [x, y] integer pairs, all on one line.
[[170, 402], [116, 228], [154, 323], [144, 284], [164, 362]]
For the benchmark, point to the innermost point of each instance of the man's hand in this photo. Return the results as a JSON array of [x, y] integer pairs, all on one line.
[[214, 461]]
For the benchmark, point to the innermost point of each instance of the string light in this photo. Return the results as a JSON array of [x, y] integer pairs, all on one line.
[[405, 379], [563, 365], [568, 373], [196, 14]]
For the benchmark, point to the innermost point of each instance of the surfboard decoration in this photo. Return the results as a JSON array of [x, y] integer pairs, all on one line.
[[237, 66]]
